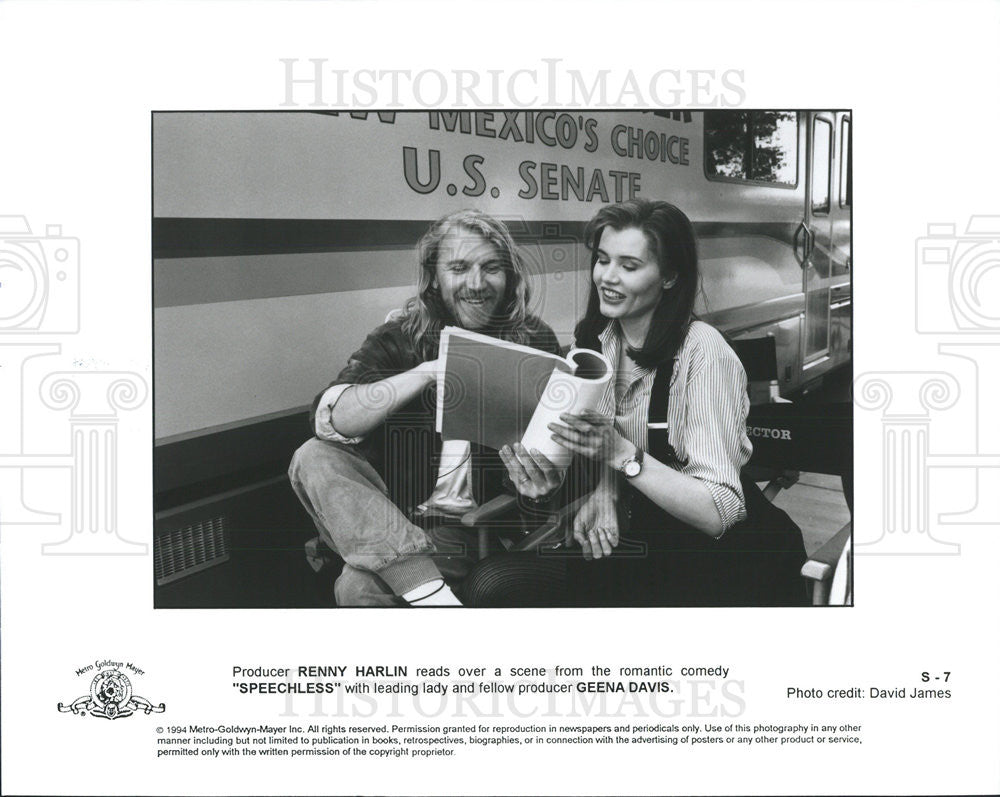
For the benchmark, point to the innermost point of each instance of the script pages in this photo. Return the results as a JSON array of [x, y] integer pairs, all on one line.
[[497, 393]]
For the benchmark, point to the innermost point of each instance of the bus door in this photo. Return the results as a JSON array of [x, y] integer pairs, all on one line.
[[813, 239], [840, 267]]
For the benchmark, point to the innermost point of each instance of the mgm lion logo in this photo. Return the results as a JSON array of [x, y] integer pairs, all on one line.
[[111, 697]]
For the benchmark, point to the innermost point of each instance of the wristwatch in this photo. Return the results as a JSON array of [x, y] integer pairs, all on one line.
[[632, 466]]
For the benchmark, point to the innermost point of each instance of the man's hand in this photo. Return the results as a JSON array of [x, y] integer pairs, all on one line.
[[430, 369], [595, 526], [533, 474], [364, 406]]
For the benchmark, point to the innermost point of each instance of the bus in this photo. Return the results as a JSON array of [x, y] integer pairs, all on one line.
[[279, 239]]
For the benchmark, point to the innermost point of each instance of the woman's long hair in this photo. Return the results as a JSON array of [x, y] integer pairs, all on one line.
[[426, 313], [671, 239]]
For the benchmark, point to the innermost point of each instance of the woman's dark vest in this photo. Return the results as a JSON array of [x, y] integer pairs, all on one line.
[[661, 561]]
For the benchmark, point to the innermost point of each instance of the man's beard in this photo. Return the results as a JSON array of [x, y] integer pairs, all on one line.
[[475, 314]]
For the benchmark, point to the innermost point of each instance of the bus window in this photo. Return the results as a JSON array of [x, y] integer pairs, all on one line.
[[752, 146], [822, 133], [845, 162]]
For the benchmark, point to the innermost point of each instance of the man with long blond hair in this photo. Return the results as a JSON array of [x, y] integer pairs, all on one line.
[[382, 488]]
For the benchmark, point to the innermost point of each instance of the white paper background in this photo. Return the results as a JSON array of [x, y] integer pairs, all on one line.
[[77, 84]]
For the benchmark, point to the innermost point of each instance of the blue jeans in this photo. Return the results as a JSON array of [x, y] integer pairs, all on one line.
[[385, 554]]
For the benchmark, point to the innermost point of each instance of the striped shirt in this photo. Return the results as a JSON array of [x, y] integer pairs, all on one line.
[[706, 416]]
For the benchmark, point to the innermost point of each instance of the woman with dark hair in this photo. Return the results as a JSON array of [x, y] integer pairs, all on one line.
[[667, 522]]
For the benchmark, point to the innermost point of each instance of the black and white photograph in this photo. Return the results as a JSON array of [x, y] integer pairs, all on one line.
[[309, 449], [545, 320]]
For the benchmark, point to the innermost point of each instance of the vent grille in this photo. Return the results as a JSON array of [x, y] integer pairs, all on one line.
[[189, 549]]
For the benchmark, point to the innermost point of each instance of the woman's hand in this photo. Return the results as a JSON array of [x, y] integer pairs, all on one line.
[[592, 435], [533, 474], [595, 526]]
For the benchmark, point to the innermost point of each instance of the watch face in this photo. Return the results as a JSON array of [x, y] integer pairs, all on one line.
[[632, 468]]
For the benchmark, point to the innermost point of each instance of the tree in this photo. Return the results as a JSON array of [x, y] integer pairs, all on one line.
[[750, 145]]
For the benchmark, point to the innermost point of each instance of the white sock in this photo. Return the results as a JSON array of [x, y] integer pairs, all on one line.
[[433, 593]]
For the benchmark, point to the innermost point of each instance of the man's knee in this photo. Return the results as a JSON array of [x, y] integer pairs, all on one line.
[[349, 504], [320, 467], [317, 456]]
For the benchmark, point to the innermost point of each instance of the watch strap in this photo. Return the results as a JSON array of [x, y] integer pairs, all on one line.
[[637, 458]]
